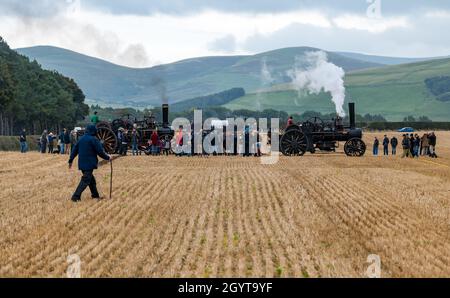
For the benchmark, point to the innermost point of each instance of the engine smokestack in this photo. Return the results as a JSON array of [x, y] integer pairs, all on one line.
[[352, 115], [165, 114]]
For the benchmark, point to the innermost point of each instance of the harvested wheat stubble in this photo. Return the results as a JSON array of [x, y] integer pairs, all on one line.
[[312, 216]]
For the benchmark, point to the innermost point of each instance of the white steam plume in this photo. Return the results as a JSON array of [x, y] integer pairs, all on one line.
[[266, 81], [320, 75], [266, 77]]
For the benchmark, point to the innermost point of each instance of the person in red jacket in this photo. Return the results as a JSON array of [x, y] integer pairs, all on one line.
[[290, 121], [155, 142]]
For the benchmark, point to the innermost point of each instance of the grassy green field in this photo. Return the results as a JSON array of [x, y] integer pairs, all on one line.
[[393, 91]]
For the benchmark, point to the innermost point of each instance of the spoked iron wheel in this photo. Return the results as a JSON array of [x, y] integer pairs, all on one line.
[[293, 143], [355, 147], [108, 139], [103, 124]]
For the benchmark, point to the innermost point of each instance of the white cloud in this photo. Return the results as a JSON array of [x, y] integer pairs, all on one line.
[[445, 14], [165, 37], [371, 25], [150, 39]]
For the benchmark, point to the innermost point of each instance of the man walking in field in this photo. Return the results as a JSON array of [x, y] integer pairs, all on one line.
[[87, 149]]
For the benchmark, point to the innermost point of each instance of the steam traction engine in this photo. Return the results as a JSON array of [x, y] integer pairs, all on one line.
[[145, 128], [315, 134], [107, 132]]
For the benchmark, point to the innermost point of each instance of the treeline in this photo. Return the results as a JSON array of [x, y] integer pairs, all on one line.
[[35, 99], [412, 119], [397, 125]]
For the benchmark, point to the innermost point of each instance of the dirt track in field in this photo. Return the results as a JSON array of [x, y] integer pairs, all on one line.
[[315, 216]]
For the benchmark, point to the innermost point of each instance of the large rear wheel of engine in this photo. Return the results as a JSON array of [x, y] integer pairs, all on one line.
[[103, 124], [108, 139], [355, 147], [293, 143]]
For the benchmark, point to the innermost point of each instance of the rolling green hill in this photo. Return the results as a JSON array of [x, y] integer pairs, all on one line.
[[206, 101], [109, 84], [386, 60], [392, 91]]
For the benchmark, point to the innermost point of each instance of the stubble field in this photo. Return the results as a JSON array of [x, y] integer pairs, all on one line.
[[314, 216]]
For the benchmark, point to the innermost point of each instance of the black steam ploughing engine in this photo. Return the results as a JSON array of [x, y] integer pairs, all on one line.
[[107, 132], [316, 134]]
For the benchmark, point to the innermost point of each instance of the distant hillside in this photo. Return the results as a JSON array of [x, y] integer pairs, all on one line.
[[206, 101], [107, 83], [385, 60], [393, 91]]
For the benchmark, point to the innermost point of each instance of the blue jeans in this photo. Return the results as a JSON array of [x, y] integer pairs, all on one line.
[[134, 149], [23, 147], [155, 150], [375, 150], [394, 150], [63, 146]]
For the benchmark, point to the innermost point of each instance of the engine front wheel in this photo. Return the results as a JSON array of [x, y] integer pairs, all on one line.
[[355, 147]]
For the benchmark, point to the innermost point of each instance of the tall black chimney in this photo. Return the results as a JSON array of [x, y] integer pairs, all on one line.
[[165, 114], [352, 115]]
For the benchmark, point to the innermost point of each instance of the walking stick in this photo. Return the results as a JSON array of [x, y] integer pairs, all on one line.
[[111, 180]]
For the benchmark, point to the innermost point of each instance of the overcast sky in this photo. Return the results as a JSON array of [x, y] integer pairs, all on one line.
[[143, 33]]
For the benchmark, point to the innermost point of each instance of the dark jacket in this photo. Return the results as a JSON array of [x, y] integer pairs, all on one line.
[[66, 137], [23, 137], [376, 143], [405, 143], [122, 138], [417, 142], [134, 137], [87, 149], [394, 142], [44, 137], [385, 142], [432, 140]]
